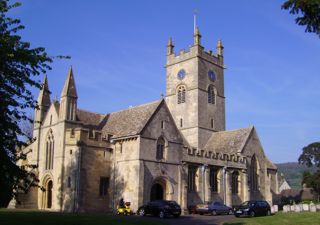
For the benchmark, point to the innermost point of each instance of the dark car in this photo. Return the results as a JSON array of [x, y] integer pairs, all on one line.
[[214, 208], [161, 208], [253, 208]]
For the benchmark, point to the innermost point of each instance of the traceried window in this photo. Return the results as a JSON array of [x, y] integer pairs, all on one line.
[[211, 94], [69, 182], [253, 174], [192, 172], [181, 94], [235, 182], [104, 185], [213, 179], [49, 151], [160, 148]]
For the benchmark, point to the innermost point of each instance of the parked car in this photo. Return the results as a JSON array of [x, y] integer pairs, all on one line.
[[253, 208], [214, 208], [161, 208]]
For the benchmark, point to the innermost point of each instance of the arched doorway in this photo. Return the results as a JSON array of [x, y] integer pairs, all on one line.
[[49, 194], [157, 192]]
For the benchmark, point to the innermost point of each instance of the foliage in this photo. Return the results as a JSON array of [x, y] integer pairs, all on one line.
[[312, 181], [293, 173], [308, 13], [19, 65], [310, 155]]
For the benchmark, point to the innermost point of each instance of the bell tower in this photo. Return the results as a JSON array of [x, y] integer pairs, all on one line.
[[195, 90]]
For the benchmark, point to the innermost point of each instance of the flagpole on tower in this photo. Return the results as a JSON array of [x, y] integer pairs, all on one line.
[[195, 11]]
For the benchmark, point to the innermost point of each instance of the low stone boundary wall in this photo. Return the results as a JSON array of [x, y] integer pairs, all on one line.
[[301, 208]]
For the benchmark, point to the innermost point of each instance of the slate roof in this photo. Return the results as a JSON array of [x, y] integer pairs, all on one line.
[[231, 141], [130, 121], [270, 165], [89, 118]]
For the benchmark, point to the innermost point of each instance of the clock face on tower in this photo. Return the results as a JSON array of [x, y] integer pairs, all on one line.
[[181, 74], [211, 75]]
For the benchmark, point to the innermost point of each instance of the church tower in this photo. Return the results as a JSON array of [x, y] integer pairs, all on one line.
[[68, 99], [195, 90]]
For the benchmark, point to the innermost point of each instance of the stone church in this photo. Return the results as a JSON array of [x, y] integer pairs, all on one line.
[[176, 148]]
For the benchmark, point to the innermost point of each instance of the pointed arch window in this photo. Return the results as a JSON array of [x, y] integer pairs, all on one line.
[[235, 182], [213, 179], [253, 174], [181, 94], [211, 94], [49, 151], [160, 148]]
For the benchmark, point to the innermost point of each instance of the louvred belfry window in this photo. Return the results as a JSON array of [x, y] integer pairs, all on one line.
[[181, 94]]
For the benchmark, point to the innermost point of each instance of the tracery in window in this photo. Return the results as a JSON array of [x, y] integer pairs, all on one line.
[[211, 94], [160, 148], [213, 179], [253, 174], [235, 182], [181, 92], [49, 151]]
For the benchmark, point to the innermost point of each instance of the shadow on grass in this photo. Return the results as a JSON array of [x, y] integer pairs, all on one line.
[[234, 223]]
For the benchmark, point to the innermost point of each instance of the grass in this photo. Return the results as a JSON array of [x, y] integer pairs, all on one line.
[[303, 218], [27, 217]]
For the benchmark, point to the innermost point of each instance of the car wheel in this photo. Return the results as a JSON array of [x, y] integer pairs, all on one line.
[[142, 212], [268, 213], [214, 212], [252, 214], [236, 215], [230, 212], [161, 215]]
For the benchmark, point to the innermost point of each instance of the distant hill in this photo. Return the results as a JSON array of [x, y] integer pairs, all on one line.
[[292, 172]]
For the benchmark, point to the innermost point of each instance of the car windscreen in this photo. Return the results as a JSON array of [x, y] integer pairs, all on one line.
[[246, 204], [172, 203]]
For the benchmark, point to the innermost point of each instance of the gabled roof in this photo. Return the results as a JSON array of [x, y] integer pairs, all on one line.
[[89, 118], [130, 121], [232, 141]]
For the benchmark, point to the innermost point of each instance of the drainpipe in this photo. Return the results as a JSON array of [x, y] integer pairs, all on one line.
[[113, 173], [78, 178], [224, 184], [203, 181]]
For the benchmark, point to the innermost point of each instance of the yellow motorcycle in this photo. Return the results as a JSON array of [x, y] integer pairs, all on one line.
[[126, 210]]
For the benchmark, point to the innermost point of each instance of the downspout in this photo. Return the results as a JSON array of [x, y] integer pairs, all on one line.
[[78, 178], [224, 184], [203, 182], [113, 175], [62, 167]]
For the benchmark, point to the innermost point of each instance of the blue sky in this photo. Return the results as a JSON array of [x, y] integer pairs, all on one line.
[[118, 57]]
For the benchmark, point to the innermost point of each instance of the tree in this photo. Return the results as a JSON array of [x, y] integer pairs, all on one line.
[[310, 155], [308, 13], [19, 66]]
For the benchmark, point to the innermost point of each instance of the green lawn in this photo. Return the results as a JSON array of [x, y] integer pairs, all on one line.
[[26, 217], [303, 218]]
